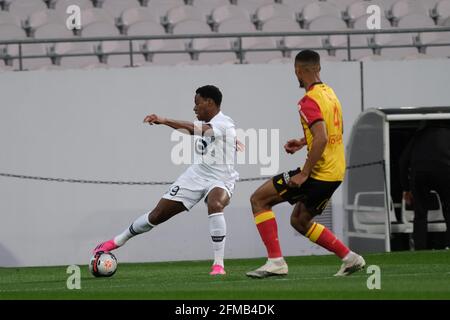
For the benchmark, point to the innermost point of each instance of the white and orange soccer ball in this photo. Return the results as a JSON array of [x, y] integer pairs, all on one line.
[[103, 264]]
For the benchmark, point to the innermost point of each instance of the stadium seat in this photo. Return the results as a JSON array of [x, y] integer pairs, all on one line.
[[23, 8], [161, 7], [418, 21], [51, 30], [296, 5], [10, 32], [364, 39], [35, 49], [191, 27], [148, 47], [356, 10], [403, 8], [271, 11], [119, 61], [330, 23], [179, 14], [96, 15], [316, 9], [116, 7], [101, 29], [133, 15], [4, 67], [224, 13], [296, 43], [61, 5], [207, 6], [7, 18], [441, 11], [145, 28], [251, 5], [213, 44], [281, 25], [342, 5], [435, 218], [237, 25], [40, 18]]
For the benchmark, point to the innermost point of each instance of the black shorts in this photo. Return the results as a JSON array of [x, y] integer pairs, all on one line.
[[313, 193]]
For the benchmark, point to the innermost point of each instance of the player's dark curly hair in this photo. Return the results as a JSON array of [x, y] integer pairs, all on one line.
[[308, 56], [212, 92]]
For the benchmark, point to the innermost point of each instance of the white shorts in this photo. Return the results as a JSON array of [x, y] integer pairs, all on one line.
[[190, 188]]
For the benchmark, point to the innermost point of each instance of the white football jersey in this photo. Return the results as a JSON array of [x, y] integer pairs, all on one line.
[[215, 155]]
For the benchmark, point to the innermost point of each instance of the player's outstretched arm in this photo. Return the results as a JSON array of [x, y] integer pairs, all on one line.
[[184, 126], [293, 145]]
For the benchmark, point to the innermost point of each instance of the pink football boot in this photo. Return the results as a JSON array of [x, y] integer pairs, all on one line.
[[217, 269], [105, 246]]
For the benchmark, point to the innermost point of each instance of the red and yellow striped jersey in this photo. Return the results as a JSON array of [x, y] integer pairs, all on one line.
[[320, 103]]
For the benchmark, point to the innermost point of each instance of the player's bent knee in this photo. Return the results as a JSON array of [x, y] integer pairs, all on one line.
[[215, 206], [298, 225], [256, 201], [156, 217]]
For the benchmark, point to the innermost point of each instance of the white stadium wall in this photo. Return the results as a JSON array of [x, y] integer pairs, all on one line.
[[87, 124]]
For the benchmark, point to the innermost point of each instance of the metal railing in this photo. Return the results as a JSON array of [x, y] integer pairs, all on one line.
[[237, 48]]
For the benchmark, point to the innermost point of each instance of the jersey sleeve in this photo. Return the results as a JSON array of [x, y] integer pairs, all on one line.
[[309, 111]]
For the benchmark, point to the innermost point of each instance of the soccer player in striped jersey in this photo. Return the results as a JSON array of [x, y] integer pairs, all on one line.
[[310, 187]]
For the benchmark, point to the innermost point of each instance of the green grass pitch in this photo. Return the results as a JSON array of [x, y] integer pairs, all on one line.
[[404, 275]]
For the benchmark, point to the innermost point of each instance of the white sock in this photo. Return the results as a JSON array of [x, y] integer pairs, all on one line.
[[140, 225], [218, 230]]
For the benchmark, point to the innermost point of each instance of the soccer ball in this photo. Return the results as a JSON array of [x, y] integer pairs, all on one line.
[[103, 264]]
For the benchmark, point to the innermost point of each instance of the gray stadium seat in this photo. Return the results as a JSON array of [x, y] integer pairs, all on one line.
[[227, 12], [331, 23], [251, 5], [43, 17], [207, 6], [441, 11], [150, 46], [191, 27], [35, 49], [271, 11], [51, 30], [145, 28], [356, 10], [116, 7], [281, 25], [10, 32], [23, 8], [296, 5], [418, 21], [237, 25], [179, 14], [317, 9], [160, 7], [96, 15], [403, 8], [134, 15], [8, 18], [61, 5], [342, 4], [213, 44], [102, 29]]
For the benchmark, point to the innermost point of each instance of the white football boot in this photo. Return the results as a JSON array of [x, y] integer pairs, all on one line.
[[277, 267], [351, 263]]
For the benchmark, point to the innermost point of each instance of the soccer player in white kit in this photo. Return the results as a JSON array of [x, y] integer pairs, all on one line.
[[212, 175]]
